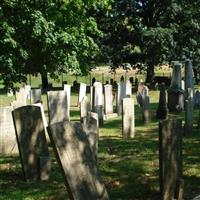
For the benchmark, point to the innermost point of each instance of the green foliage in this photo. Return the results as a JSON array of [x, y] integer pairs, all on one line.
[[46, 36]]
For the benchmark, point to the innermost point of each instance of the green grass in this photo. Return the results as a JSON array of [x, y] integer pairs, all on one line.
[[129, 168]]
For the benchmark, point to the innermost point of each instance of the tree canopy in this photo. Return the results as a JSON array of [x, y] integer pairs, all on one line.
[[54, 36]]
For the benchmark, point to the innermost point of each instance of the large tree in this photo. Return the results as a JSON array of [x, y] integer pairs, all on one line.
[[48, 36]]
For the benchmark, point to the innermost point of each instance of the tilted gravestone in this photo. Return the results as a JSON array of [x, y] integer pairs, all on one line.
[[82, 92], [162, 111], [31, 141], [84, 108], [57, 106], [175, 92], [170, 159], [77, 161], [67, 88], [36, 96], [128, 118], [8, 141]]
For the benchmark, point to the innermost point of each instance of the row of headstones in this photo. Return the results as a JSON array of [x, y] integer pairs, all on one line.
[[75, 152]]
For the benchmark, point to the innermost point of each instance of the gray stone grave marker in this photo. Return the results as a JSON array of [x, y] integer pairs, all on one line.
[[189, 81], [82, 92], [188, 127], [28, 90], [170, 158], [67, 88], [57, 106], [121, 93], [77, 161], [36, 96], [8, 141], [128, 118], [84, 108], [31, 141], [108, 102]]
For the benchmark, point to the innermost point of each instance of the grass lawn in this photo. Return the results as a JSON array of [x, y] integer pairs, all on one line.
[[129, 168]]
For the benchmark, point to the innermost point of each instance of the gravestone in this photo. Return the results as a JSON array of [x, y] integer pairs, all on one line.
[[84, 108], [57, 106], [189, 81], [67, 88], [108, 102], [121, 93], [128, 88], [139, 94], [146, 109], [162, 111], [98, 101], [36, 96], [21, 97], [28, 90], [8, 141], [188, 116], [170, 158], [197, 99], [77, 161], [175, 93], [82, 92], [91, 128], [44, 119], [128, 118], [31, 141]]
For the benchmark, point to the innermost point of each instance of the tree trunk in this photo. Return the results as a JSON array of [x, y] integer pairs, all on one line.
[[44, 77], [150, 74]]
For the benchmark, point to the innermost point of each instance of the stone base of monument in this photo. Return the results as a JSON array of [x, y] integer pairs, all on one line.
[[175, 100], [110, 116]]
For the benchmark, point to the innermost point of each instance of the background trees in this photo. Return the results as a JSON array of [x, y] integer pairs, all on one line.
[[54, 36]]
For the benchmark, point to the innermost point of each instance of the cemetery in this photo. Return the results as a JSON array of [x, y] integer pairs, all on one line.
[[99, 100], [101, 143]]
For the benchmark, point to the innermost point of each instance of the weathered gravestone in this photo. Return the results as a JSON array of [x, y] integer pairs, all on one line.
[[139, 94], [189, 81], [21, 98], [8, 141], [98, 101], [91, 128], [170, 159], [77, 161], [162, 111], [128, 118], [82, 92], [67, 88], [188, 127], [36, 96], [31, 141], [121, 93], [197, 99], [145, 105], [28, 90], [128, 88], [175, 93], [84, 108], [57, 106]]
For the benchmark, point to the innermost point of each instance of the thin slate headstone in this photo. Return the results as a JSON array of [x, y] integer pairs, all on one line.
[[108, 99], [57, 106], [36, 96], [170, 158], [188, 127], [77, 161], [84, 108], [8, 141], [82, 92], [175, 92], [189, 81], [162, 111], [128, 118], [121, 93], [67, 88], [31, 140]]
